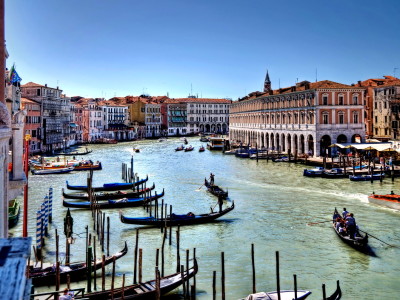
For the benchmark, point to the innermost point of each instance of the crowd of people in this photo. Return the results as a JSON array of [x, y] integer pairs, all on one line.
[[346, 224]]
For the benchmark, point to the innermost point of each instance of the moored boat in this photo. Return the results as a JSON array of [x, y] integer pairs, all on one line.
[[360, 241], [216, 143], [215, 189], [202, 149], [88, 166], [107, 196], [388, 200], [315, 172], [146, 290], [76, 271], [120, 203], [283, 295], [173, 220], [13, 212], [114, 186], [52, 171], [367, 177], [334, 173], [76, 153]]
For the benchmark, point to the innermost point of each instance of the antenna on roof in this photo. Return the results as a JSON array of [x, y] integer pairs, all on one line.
[[316, 74], [394, 72], [279, 83]]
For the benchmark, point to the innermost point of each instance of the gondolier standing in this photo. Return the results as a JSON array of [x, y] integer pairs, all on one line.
[[212, 178], [220, 202]]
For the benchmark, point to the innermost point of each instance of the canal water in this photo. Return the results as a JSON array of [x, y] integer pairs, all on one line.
[[273, 204]]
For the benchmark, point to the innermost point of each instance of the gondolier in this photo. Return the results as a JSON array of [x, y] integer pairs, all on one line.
[[212, 178]]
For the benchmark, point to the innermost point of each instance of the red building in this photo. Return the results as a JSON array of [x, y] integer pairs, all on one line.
[[32, 124]]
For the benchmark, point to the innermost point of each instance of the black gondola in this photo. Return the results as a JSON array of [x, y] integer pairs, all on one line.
[[188, 219], [125, 202], [334, 173], [116, 186], [360, 242], [215, 189], [108, 196], [76, 153], [337, 294], [76, 271], [146, 290]]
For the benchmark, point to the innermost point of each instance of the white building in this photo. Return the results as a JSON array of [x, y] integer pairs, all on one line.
[[153, 119]]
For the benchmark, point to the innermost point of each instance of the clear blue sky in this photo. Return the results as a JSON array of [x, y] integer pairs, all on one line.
[[222, 48]]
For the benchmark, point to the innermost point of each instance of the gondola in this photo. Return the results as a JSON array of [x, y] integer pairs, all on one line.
[[190, 148], [284, 295], [189, 219], [76, 271], [107, 196], [360, 242], [337, 294], [180, 148], [215, 189], [367, 177], [116, 186], [202, 149], [124, 202], [146, 290]]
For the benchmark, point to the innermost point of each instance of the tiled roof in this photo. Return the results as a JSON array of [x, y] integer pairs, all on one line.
[[32, 84], [203, 100]]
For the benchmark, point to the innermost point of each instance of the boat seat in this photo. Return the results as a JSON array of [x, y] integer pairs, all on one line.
[[143, 288]]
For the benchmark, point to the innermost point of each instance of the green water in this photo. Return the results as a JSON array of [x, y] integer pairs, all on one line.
[[273, 204]]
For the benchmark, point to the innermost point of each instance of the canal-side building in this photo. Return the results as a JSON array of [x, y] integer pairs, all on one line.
[[305, 118], [206, 115], [32, 124], [55, 110], [153, 119], [93, 120], [369, 94], [386, 111], [176, 117], [116, 118]]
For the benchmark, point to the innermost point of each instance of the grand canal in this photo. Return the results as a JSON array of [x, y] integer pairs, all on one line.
[[273, 204]]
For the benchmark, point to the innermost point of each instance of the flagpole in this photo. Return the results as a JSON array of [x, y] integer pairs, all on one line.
[[25, 223]]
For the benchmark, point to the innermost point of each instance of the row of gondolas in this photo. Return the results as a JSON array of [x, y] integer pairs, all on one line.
[[119, 195], [340, 173]]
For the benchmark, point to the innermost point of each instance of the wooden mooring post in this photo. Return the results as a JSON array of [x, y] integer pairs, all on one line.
[[222, 276], [278, 285]]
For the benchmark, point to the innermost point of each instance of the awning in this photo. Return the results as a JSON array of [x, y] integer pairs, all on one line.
[[365, 146], [73, 125]]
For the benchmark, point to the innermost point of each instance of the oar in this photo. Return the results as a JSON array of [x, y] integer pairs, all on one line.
[[200, 187], [377, 238], [319, 222]]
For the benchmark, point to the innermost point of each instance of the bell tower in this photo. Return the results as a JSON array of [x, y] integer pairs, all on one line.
[[267, 84]]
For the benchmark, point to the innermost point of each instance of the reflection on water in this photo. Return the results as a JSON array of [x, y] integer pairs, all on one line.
[[273, 204]]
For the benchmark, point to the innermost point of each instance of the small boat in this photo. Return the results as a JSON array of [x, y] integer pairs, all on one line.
[[115, 186], [367, 177], [180, 148], [185, 141], [316, 172], [76, 271], [230, 152], [389, 200], [215, 189], [334, 173], [136, 150], [283, 295], [52, 171], [76, 153], [13, 213], [162, 139], [204, 139], [202, 149], [85, 166], [107, 196], [146, 290], [190, 148], [337, 294], [120, 203], [360, 242], [242, 153], [173, 220], [280, 159]]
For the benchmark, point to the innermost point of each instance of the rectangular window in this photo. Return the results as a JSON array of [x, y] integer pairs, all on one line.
[[385, 104], [325, 118], [376, 119], [355, 118], [324, 100], [385, 119], [376, 105], [340, 100], [341, 119], [355, 100]]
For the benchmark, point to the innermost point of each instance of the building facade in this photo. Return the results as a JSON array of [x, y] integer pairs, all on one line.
[[153, 119], [304, 119]]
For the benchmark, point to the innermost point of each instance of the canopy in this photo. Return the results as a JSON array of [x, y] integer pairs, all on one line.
[[365, 146]]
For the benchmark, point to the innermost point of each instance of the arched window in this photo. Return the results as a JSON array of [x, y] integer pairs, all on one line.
[[355, 117], [355, 99], [341, 117], [325, 99], [340, 99]]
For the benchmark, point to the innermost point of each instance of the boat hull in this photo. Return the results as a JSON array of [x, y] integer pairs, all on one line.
[[385, 200]]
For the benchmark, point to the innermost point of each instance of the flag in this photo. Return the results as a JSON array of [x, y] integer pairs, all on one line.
[[14, 77]]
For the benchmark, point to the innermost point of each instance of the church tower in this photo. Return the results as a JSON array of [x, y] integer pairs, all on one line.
[[267, 84]]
